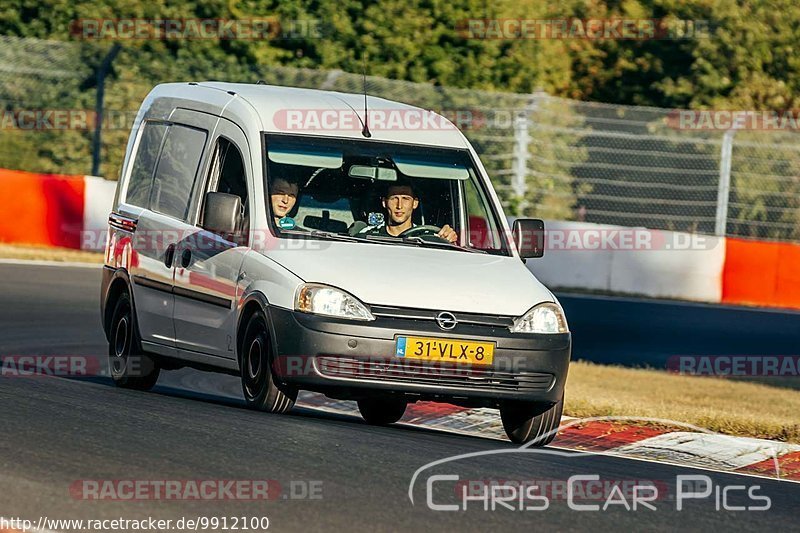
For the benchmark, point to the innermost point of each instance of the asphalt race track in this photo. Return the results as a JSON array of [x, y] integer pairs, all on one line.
[[193, 426]]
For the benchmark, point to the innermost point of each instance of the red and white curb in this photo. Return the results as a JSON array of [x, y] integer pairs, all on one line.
[[624, 438]]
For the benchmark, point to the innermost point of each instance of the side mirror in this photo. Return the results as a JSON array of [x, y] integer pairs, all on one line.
[[529, 237], [222, 213]]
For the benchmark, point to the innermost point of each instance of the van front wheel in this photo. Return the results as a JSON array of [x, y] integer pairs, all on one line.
[[261, 391], [531, 422]]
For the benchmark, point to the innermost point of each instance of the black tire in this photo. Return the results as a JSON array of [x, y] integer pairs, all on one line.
[[531, 422], [260, 388], [128, 366], [382, 411]]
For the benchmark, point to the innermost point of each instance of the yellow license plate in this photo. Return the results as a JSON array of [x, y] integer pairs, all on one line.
[[445, 350]]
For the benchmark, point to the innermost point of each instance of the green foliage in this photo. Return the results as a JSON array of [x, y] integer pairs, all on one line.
[[747, 60]]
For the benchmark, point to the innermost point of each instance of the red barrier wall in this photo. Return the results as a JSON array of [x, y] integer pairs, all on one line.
[[41, 208], [761, 273]]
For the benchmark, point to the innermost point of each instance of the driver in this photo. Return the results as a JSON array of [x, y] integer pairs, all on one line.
[[399, 202]]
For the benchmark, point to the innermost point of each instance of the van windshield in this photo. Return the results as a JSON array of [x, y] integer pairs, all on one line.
[[367, 191]]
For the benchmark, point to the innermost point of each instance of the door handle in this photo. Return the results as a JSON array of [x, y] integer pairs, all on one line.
[[169, 255], [186, 258]]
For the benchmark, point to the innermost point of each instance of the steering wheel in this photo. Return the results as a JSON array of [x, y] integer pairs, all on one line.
[[427, 230]]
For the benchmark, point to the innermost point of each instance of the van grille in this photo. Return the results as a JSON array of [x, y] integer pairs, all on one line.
[[496, 321], [406, 372]]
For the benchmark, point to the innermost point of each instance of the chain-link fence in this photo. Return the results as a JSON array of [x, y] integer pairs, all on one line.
[[38, 77], [548, 157], [666, 169]]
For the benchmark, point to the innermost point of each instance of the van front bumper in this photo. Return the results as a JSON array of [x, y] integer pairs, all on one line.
[[352, 360]]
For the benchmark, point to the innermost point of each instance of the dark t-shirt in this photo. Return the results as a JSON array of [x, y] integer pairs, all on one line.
[[381, 230]]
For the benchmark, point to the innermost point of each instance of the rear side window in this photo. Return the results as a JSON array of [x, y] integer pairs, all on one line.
[[176, 171], [145, 163]]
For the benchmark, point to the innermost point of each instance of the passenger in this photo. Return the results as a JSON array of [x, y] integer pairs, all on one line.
[[400, 201], [283, 197]]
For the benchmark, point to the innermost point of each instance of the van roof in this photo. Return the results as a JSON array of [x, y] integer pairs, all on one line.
[[298, 110]]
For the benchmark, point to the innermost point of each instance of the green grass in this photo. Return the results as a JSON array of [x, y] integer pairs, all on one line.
[[718, 404]]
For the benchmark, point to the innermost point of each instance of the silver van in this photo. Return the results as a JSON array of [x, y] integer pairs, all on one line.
[[303, 241]]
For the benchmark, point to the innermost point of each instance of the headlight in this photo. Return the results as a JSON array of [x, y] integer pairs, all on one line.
[[329, 301], [543, 318]]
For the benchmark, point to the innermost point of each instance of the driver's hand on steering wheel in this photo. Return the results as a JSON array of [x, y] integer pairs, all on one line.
[[447, 233]]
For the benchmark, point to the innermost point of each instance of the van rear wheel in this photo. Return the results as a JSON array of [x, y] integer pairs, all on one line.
[[535, 423], [381, 411], [261, 390], [128, 366]]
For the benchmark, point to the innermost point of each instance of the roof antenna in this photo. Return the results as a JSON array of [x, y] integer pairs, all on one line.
[[365, 132]]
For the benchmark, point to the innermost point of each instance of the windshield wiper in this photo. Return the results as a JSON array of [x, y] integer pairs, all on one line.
[[408, 241], [322, 235], [442, 244], [332, 236], [388, 239], [419, 241]]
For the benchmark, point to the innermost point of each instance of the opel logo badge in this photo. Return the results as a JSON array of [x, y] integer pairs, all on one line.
[[446, 320]]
